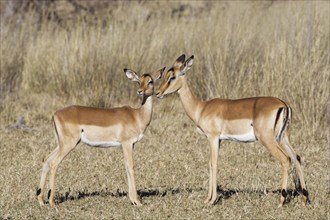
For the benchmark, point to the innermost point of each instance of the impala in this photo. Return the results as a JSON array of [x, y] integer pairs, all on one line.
[[98, 127], [262, 119]]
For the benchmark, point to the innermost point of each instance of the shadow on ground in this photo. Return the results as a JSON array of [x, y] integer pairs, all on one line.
[[223, 194]]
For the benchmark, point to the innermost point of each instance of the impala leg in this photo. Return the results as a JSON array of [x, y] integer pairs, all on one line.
[[281, 156], [212, 193], [45, 169], [300, 183], [302, 188], [285, 167], [129, 165], [53, 165], [209, 194]]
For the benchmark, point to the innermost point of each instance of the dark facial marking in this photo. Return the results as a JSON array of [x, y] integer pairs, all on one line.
[[284, 193], [170, 76], [38, 192], [148, 75]]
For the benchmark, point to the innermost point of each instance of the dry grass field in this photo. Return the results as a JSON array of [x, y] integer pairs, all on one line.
[[55, 54]]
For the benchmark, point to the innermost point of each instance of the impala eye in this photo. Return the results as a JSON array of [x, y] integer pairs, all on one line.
[[150, 82]]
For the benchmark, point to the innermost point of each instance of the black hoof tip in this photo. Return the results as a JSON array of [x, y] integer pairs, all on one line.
[[38, 192], [49, 192]]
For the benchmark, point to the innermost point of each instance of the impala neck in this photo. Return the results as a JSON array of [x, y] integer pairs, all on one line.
[[145, 111], [191, 104]]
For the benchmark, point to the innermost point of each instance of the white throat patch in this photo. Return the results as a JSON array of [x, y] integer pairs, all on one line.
[[84, 139]]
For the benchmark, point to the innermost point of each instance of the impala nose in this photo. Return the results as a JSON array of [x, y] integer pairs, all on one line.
[[140, 92], [159, 95]]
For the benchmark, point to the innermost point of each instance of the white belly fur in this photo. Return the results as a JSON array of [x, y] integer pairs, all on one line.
[[84, 139], [248, 137]]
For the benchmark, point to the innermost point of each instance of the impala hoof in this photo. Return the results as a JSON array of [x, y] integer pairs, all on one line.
[[307, 201], [207, 201], [210, 201], [280, 205], [41, 202], [52, 204], [137, 203]]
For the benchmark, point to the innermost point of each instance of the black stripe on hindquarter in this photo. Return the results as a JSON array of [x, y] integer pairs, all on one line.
[[286, 121], [278, 116]]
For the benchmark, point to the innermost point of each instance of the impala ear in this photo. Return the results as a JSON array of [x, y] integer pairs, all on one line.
[[132, 75], [158, 75], [187, 65], [179, 61]]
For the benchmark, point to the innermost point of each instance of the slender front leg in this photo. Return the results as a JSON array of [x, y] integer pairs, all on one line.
[[214, 151], [128, 159], [209, 194]]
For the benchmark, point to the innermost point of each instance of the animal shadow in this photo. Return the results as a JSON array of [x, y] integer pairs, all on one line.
[[223, 194], [82, 194]]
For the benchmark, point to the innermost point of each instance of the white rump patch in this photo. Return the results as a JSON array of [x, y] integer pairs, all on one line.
[[84, 139], [248, 137]]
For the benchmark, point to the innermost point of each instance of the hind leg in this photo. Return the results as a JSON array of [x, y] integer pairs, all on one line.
[[58, 157], [280, 155], [299, 182], [45, 169]]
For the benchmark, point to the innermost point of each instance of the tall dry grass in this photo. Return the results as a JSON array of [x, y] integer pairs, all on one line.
[[242, 49]]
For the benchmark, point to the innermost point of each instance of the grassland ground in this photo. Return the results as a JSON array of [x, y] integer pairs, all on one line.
[[171, 173], [59, 53]]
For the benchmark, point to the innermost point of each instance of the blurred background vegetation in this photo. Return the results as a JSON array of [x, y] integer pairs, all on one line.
[[57, 53]]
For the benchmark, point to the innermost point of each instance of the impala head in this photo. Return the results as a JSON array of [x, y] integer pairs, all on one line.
[[146, 82], [172, 80]]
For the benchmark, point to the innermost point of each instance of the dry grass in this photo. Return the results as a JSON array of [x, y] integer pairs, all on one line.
[[241, 49]]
